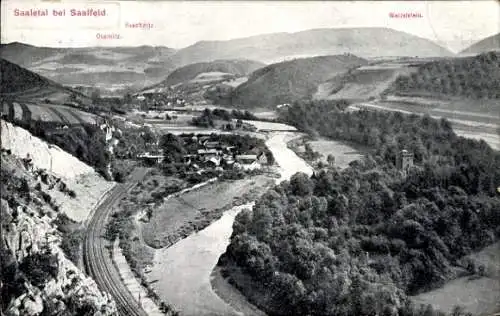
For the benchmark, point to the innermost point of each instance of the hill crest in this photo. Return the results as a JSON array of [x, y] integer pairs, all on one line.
[[490, 43]]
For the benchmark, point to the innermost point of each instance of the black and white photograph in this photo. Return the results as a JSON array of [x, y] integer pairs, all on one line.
[[250, 158]]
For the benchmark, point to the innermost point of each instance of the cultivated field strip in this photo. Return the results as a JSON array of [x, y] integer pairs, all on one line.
[[18, 111], [97, 256], [61, 116], [5, 107], [26, 112], [40, 113], [78, 116]]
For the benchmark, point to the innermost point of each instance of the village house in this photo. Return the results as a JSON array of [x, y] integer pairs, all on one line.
[[209, 152], [151, 158], [211, 144], [247, 162], [262, 158], [213, 162]]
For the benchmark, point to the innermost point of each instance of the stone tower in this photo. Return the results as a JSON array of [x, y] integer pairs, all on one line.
[[404, 162]]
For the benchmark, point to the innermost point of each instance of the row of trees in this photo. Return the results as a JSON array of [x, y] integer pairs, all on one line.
[[360, 241], [208, 117]]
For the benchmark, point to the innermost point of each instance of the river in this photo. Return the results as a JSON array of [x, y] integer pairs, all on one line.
[[181, 273]]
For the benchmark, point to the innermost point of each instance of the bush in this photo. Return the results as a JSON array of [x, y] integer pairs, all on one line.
[[119, 177]]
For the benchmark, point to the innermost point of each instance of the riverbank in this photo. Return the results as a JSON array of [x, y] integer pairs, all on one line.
[[181, 273], [231, 295]]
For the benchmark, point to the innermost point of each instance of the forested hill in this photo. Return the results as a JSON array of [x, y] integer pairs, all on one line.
[[473, 77], [17, 79], [291, 80], [18, 82], [358, 242], [235, 67]]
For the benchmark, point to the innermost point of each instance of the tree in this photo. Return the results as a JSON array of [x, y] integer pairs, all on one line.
[[149, 213], [95, 96], [330, 159]]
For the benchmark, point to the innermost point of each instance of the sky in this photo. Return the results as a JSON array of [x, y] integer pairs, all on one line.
[[177, 24]]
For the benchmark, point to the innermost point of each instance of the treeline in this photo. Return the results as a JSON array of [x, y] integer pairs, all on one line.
[[207, 117], [475, 77], [360, 241]]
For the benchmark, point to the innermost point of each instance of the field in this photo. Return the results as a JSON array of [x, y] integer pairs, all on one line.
[[484, 111], [27, 111], [362, 83], [261, 125], [479, 296], [179, 215], [208, 77], [343, 153]]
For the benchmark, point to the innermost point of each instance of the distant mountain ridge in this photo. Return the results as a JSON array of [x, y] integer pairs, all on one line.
[[269, 48], [490, 43], [114, 68], [103, 67]]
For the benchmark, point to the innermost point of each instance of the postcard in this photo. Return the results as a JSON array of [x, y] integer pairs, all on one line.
[[251, 158]]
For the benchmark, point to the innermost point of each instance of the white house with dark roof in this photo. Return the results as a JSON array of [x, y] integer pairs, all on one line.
[[247, 162]]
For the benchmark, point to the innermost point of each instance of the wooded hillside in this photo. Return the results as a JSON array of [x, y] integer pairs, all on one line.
[[358, 242], [472, 77]]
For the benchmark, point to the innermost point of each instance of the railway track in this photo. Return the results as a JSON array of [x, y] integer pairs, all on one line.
[[97, 256]]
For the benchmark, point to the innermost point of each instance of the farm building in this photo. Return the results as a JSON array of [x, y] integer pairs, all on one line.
[[247, 162], [209, 152], [151, 158]]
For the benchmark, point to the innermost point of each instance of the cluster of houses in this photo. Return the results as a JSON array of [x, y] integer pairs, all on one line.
[[158, 100], [214, 155]]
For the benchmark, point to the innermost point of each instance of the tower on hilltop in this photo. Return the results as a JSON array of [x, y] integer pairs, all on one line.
[[404, 162]]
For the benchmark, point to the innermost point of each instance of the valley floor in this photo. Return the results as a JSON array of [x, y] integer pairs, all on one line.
[[183, 273]]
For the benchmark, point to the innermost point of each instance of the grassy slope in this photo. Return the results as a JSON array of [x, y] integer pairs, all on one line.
[[480, 295], [362, 83], [291, 80], [487, 44]]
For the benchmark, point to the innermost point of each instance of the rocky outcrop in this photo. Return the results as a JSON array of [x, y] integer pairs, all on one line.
[[43, 156], [74, 186], [27, 233]]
